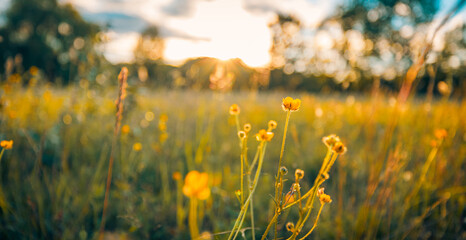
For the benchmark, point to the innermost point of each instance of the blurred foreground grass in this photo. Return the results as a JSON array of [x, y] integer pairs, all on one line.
[[52, 182]]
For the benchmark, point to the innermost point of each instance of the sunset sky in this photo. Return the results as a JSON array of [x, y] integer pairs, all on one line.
[[222, 29]]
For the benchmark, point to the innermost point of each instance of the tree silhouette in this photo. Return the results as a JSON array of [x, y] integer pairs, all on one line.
[[48, 35]]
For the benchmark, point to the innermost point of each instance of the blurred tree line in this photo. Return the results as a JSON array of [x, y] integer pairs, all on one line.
[[52, 37], [365, 45]]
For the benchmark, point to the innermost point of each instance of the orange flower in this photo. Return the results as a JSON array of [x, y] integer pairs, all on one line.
[[125, 129], [6, 144], [177, 176], [264, 135], [290, 104], [289, 198], [196, 185], [234, 109], [440, 133]]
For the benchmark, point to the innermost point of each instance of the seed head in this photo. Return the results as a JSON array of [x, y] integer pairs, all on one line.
[[283, 170], [234, 109], [247, 127], [290, 104], [299, 174], [295, 187], [290, 227], [242, 134], [339, 148]]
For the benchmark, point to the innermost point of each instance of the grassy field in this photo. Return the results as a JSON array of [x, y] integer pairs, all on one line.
[[402, 176]]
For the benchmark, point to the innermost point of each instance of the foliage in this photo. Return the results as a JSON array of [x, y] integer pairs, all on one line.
[[50, 36]]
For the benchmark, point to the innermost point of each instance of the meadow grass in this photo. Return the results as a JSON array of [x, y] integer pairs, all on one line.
[[398, 179]]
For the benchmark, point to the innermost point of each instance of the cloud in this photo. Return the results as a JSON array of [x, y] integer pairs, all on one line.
[[118, 22], [180, 7], [308, 12]]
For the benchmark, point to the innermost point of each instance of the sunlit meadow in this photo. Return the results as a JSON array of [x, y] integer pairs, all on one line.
[[178, 158], [228, 119]]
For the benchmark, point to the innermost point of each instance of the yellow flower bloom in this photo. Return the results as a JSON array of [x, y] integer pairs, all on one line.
[[272, 124], [290, 104], [324, 198], [125, 129], [264, 135], [137, 147], [440, 133], [163, 118], [330, 140], [234, 109], [6, 144], [196, 185]]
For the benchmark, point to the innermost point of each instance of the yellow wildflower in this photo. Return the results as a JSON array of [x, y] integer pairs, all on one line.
[[137, 147], [196, 185], [264, 135], [125, 129], [440, 133], [6, 144], [324, 198], [234, 109], [290, 104], [330, 140]]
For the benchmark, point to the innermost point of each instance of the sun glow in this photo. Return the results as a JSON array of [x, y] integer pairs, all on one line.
[[225, 30]]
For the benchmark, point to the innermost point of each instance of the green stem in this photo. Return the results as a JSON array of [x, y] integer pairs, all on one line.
[[193, 228], [274, 218], [238, 222], [1, 154], [315, 223], [253, 231], [278, 178]]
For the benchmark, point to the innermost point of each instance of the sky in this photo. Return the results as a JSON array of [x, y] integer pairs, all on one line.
[[222, 29]]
